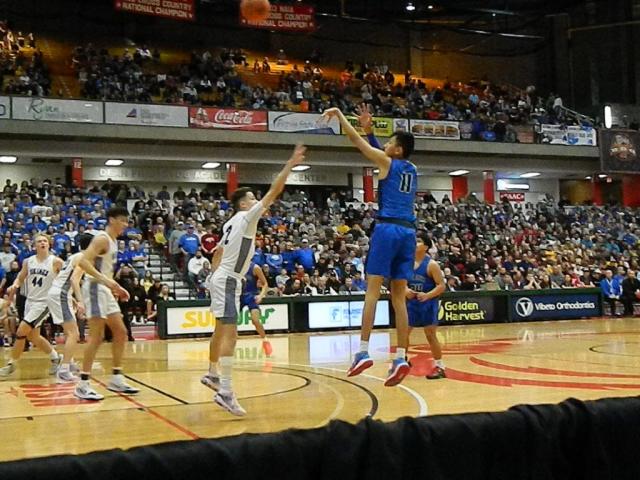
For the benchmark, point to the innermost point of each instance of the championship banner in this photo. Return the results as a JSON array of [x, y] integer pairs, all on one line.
[[228, 118], [571, 135], [292, 122], [147, 115], [435, 130], [5, 108], [619, 150], [173, 9], [382, 126], [53, 110], [293, 18]]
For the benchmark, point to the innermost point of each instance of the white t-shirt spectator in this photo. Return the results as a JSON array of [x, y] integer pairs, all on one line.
[[196, 264]]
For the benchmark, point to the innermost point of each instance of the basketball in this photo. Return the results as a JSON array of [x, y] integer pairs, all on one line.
[[255, 10]]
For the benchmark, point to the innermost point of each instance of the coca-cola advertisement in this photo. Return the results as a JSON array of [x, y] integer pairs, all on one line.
[[228, 118]]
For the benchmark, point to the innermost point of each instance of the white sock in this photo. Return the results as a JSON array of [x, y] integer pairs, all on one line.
[[401, 353], [53, 355], [440, 364], [213, 369], [226, 366], [364, 345]]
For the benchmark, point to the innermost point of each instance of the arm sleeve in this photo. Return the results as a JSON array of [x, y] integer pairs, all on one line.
[[373, 141]]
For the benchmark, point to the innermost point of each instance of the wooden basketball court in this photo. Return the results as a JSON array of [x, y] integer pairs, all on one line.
[[303, 384]]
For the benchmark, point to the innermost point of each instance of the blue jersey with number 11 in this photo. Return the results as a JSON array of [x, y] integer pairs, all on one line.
[[397, 191]]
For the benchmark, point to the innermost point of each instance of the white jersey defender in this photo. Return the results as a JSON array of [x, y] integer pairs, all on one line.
[[98, 299], [238, 243], [40, 276], [59, 298]]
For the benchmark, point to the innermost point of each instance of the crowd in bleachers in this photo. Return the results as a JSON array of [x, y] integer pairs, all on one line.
[[221, 79], [319, 249], [22, 68]]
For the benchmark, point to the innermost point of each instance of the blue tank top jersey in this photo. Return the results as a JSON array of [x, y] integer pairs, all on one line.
[[250, 282], [397, 191], [421, 281]]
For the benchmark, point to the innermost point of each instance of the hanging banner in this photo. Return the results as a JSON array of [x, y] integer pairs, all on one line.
[[296, 18], [512, 196], [382, 126], [174, 9], [435, 129], [619, 150], [53, 110], [571, 135], [292, 122], [228, 118], [152, 115]]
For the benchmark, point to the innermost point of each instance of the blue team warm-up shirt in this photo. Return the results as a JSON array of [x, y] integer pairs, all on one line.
[[249, 290], [422, 314], [392, 248]]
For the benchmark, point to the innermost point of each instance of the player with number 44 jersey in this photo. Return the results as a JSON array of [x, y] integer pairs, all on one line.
[[392, 247]]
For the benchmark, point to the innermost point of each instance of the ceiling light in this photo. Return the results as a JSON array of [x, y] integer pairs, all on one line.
[[608, 117], [503, 185], [410, 7], [588, 177], [376, 170], [430, 7], [210, 165], [361, 192], [530, 175], [602, 175], [8, 159], [114, 162], [300, 168], [457, 173]]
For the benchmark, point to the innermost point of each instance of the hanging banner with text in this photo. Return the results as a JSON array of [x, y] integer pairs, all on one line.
[[292, 18], [228, 118], [292, 122], [382, 127], [512, 196], [174, 9], [571, 135], [151, 115], [435, 130], [619, 150], [53, 110]]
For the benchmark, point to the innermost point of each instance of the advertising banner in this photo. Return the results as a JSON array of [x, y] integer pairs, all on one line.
[[619, 150], [550, 307], [571, 135], [344, 314], [53, 110], [5, 108], [382, 126], [478, 310], [401, 124], [292, 122], [147, 115], [228, 118], [435, 129], [174, 9], [512, 196], [194, 320], [296, 18]]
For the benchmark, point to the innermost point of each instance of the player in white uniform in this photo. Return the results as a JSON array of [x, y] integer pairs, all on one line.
[[60, 303], [8, 315], [230, 263], [37, 275], [102, 308]]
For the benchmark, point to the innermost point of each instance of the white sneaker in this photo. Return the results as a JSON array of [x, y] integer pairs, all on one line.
[[211, 381], [117, 384], [8, 370], [65, 376], [229, 402], [84, 391], [55, 364], [74, 367]]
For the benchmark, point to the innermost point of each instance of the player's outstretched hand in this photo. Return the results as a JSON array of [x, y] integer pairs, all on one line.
[[365, 119], [297, 157]]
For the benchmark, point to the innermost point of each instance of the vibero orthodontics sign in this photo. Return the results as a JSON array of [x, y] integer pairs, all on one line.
[[555, 306]]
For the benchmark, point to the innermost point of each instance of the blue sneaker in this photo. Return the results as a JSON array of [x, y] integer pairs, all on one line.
[[399, 369], [361, 361]]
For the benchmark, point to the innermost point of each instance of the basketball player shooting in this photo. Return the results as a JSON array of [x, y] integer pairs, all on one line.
[[230, 263], [393, 242]]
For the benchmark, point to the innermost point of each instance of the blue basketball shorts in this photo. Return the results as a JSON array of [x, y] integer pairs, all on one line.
[[391, 252], [423, 314], [249, 300]]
